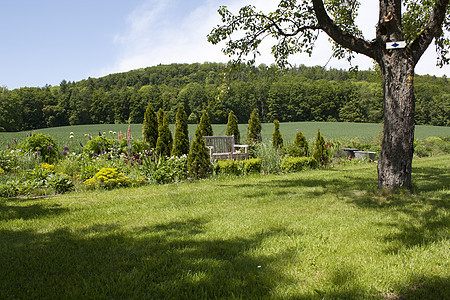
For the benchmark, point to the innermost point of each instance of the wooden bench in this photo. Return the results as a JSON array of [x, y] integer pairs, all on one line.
[[223, 148]]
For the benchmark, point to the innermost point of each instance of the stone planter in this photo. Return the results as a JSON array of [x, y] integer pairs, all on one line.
[[365, 155]]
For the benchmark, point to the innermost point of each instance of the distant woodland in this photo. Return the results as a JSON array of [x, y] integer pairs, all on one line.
[[297, 94]]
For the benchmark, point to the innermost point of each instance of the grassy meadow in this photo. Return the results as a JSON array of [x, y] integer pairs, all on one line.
[[319, 234], [362, 132]]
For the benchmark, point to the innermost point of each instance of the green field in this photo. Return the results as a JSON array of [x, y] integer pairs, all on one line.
[[320, 234], [364, 132]]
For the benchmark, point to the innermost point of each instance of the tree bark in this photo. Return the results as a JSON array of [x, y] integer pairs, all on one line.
[[397, 146]]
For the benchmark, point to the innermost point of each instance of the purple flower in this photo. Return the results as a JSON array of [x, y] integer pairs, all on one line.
[[89, 137], [64, 153], [297, 130], [38, 152], [81, 145], [95, 155], [49, 147], [66, 149]]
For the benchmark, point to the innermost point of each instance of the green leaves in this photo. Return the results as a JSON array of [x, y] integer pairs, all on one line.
[[292, 25]]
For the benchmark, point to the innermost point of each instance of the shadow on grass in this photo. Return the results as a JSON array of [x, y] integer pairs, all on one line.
[[13, 211], [172, 260]]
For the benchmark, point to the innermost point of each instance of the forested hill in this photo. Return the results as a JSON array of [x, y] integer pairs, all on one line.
[[298, 94]]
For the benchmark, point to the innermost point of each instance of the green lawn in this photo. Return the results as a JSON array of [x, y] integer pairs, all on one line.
[[322, 234], [363, 132]]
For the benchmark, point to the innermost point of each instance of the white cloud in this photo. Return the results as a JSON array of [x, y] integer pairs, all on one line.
[[174, 31]]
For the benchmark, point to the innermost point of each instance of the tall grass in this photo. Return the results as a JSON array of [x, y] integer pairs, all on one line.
[[321, 234]]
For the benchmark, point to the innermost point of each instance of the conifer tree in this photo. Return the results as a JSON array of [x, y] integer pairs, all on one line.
[[301, 144], [205, 125], [277, 139], [181, 136], [320, 152], [160, 116], [198, 162], [254, 127], [150, 127], [164, 142], [233, 128]]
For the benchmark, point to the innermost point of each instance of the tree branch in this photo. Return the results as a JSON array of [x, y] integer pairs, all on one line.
[[341, 37], [432, 30]]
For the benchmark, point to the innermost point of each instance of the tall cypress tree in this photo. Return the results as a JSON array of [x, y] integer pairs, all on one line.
[[150, 127], [277, 139], [205, 125], [181, 136], [164, 142], [320, 152], [254, 127], [160, 116], [198, 162], [233, 128]]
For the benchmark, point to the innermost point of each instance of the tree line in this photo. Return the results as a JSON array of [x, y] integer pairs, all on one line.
[[296, 94]]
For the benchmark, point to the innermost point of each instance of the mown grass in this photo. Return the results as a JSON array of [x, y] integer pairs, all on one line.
[[322, 234], [361, 132]]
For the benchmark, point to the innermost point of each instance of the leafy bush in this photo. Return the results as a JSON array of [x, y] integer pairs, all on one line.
[[98, 145], [227, 167], [42, 145], [108, 178], [173, 169], [61, 182], [9, 188], [251, 166], [295, 164], [432, 146], [43, 170]]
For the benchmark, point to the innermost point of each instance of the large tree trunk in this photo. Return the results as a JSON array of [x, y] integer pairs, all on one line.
[[397, 147]]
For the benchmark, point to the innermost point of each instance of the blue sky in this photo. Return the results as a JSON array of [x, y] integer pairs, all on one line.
[[46, 41]]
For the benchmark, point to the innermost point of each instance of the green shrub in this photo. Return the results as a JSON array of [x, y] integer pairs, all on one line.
[[150, 127], [431, 146], [41, 144], [227, 167], [277, 139], [251, 166], [181, 136], [60, 182], [320, 152], [254, 128], [205, 125], [173, 169], [98, 145], [232, 127], [270, 160], [108, 178], [199, 165], [295, 164], [165, 141]]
